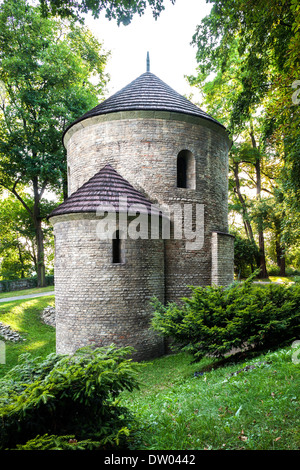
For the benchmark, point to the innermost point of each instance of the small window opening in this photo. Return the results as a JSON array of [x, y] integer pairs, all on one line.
[[117, 248], [186, 174], [181, 171]]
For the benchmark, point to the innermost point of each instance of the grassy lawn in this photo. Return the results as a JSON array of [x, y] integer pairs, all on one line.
[[255, 409], [279, 279], [36, 290], [24, 316]]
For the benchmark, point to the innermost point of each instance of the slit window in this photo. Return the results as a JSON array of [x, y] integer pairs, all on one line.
[[117, 251], [186, 171]]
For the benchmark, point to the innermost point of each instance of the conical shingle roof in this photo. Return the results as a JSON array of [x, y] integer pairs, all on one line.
[[147, 92], [105, 189]]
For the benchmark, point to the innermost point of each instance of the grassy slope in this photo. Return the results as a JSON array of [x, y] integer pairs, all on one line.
[[24, 316], [255, 409]]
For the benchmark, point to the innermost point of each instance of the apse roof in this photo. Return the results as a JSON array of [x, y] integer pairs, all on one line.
[[105, 189], [147, 92]]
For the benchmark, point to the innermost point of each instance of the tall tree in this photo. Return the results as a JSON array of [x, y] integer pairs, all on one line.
[[15, 259], [17, 237], [248, 56], [266, 38], [45, 71], [121, 10]]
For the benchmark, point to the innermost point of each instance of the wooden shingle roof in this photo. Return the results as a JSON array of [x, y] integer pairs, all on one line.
[[147, 92], [106, 188]]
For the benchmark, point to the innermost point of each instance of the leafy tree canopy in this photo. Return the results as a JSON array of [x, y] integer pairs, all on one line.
[[121, 10], [248, 72], [18, 257], [265, 36], [51, 72], [45, 67]]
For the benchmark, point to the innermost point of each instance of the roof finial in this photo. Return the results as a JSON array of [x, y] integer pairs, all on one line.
[[148, 62]]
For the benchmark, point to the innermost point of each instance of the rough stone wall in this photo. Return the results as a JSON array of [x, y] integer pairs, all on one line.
[[18, 284], [98, 302], [222, 258], [143, 147]]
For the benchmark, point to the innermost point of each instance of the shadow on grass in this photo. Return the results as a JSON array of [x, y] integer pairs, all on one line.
[[238, 357], [24, 316]]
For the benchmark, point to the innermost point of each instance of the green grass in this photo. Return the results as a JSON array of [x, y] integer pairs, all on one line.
[[282, 279], [256, 409], [24, 316], [36, 290], [279, 279]]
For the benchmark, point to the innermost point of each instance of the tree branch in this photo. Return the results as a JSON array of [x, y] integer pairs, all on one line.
[[14, 191], [43, 189]]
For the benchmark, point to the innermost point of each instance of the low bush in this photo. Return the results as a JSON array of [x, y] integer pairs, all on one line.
[[216, 319], [68, 401]]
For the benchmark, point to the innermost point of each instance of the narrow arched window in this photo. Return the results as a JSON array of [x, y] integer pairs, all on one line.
[[186, 172], [117, 255], [181, 171]]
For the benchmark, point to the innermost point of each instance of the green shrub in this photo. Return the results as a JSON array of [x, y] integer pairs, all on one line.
[[52, 442], [68, 396], [216, 319]]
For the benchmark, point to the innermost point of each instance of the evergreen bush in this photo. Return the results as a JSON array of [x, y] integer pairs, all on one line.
[[214, 320], [68, 401]]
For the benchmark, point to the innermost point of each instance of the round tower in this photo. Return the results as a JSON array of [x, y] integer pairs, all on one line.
[[104, 278], [174, 156]]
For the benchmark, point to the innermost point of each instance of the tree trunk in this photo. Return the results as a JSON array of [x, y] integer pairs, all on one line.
[[262, 257], [280, 258], [280, 255], [247, 224], [282, 267], [261, 241], [21, 260], [41, 279], [37, 220], [35, 214]]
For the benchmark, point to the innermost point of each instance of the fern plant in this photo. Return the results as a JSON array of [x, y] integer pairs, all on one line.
[[69, 395]]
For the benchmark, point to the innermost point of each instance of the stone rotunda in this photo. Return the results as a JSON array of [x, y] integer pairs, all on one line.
[[153, 167]]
